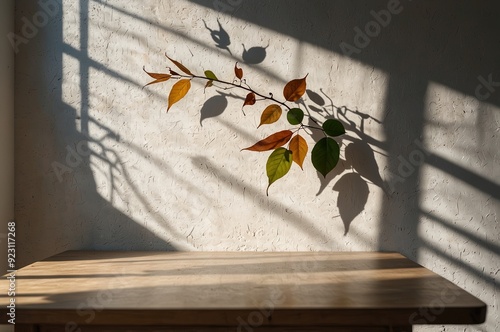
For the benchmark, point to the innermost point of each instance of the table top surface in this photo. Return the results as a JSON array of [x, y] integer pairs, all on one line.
[[172, 287]]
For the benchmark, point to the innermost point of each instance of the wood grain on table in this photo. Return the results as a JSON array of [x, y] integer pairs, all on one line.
[[225, 288]]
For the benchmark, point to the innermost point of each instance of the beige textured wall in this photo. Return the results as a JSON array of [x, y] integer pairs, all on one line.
[[101, 165]]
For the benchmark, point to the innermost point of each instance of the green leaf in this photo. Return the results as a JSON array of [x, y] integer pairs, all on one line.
[[210, 74], [325, 155], [333, 127], [278, 164], [295, 116]]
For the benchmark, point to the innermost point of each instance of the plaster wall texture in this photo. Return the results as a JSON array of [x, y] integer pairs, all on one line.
[[100, 164]]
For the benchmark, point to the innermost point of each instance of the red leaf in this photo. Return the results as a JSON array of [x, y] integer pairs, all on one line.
[[209, 84], [271, 142], [157, 76], [295, 89], [180, 65], [238, 71], [250, 99]]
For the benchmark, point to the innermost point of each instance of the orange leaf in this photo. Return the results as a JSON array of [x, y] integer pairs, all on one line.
[[157, 76], [295, 89], [238, 71], [179, 90], [298, 146], [270, 115], [250, 99], [271, 142], [179, 65]]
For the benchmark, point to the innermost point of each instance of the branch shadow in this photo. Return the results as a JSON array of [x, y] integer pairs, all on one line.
[[415, 50], [358, 160]]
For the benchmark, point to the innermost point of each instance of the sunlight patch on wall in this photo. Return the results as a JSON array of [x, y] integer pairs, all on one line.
[[459, 189], [71, 33], [181, 174], [70, 85]]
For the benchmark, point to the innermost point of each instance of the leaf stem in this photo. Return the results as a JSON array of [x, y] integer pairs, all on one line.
[[271, 97], [311, 127]]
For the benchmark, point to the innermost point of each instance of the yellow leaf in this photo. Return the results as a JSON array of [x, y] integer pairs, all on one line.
[[298, 146], [180, 66], [179, 90], [295, 89], [270, 115]]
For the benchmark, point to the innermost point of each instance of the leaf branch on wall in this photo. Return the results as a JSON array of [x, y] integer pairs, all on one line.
[[325, 153]]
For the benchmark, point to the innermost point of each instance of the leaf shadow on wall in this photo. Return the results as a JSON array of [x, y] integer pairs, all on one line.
[[213, 107], [254, 55], [353, 195], [216, 105], [359, 157], [220, 37], [234, 182]]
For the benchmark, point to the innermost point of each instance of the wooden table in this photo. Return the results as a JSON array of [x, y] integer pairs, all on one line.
[[233, 291]]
